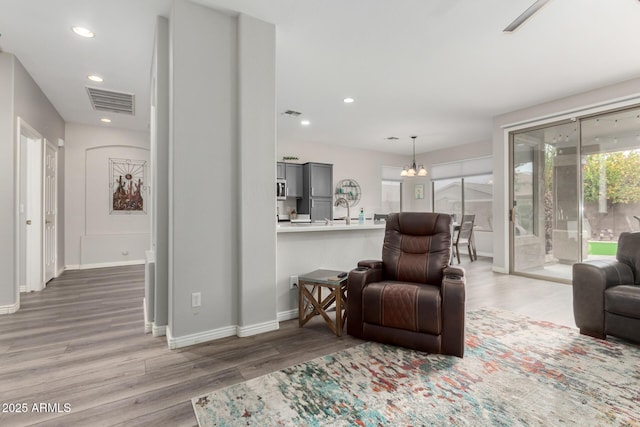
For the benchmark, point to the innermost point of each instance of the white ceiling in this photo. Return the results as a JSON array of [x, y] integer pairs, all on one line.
[[439, 69]]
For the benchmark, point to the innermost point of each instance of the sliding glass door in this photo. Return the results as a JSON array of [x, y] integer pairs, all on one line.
[[575, 186], [545, 203]]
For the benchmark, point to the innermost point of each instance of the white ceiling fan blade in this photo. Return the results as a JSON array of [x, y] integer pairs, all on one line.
[[525, 15]]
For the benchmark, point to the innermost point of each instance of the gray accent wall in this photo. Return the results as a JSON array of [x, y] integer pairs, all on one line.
[[32, 105], [600, 99], [257, 144], [221, 170], [8, 292], [21, 97], [160, 164], [203, 185]]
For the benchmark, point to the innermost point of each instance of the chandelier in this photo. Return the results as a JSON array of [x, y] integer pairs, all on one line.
[[410, 170]]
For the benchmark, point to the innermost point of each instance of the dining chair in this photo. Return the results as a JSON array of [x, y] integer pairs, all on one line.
[[377, 218], [464, 238]]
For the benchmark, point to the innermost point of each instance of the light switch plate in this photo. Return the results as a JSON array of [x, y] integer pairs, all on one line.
[[196, 299]]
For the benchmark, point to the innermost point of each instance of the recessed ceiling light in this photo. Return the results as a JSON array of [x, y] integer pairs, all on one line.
[[105, 120], [305, 122], [348, 100], [83, 32], [95, 78]]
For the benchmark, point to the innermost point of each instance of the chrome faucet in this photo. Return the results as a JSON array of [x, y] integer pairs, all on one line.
[[341, 201]]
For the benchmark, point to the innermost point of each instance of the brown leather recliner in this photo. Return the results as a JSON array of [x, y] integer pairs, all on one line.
[[412, 298], [606, 293]]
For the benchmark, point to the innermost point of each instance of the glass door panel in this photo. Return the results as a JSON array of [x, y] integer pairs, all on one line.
[[545, 203], [610, 180]]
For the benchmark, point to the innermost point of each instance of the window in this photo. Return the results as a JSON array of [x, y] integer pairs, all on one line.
[[465, 187], [391, 196], [447, 197], [468, 195], [391, 200]]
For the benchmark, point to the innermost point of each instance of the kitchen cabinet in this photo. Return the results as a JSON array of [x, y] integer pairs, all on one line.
[[294, 179], [317, 191], [320, 179], [321, 208], [281, 170]]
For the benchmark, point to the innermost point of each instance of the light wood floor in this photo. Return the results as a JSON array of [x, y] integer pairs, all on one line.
[[81, 342]]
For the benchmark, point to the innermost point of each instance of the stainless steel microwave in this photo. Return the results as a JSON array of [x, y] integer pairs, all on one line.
[[281, 189]]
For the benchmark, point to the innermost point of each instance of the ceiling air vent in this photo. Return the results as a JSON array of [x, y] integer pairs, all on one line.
[[115, 102], [392, 138], [291, 113]]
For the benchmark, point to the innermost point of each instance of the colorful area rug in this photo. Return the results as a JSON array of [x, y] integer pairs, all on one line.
[[516, 371]]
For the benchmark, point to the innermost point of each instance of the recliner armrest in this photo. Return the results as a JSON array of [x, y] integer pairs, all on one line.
[[453, 302], [367, 272], [368, 263], [453, 272], [590, 280]]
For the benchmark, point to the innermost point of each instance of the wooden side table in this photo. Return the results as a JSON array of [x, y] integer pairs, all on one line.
[[311, 303]]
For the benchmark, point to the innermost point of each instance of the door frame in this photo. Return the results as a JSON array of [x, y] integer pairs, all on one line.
[[48, 144], [34, 262]]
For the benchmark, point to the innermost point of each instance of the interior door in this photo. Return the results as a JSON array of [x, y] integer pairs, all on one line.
[[50, 209]]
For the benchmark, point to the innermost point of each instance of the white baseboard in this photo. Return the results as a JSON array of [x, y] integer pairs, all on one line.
[[158, 331], [499, 270], [215, 334], [9, 309], [59, 272], [24, 289], [169, 337], [103, 264], [147, 324], [199, 337], [288, 315], [247, 331]]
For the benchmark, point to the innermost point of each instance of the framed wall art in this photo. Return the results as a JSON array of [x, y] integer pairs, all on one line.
[[127, 187]]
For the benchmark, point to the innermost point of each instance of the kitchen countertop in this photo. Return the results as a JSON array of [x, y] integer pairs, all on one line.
[[320, 226]]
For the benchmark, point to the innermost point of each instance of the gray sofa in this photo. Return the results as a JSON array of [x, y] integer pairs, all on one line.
[[606, 293]]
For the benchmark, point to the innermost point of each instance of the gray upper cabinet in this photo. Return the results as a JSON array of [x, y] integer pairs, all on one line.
[[281, 170], [320, 179], [294, 180]]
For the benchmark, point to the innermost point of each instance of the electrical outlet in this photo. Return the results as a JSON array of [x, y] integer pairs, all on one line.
[[293, 282], [196, 299]]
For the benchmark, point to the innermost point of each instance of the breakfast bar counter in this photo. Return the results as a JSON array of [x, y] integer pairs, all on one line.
[[307, 247], [321, 226]]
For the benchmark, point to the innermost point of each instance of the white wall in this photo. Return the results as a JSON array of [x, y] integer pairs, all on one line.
[[21, 97], [303, 252], [365, 166], [602, 99], [93, 236]]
